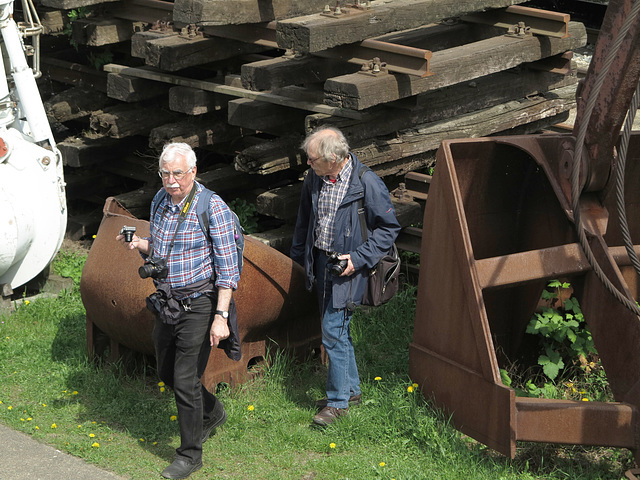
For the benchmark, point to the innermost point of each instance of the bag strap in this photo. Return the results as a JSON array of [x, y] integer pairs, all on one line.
[[183, 215], [363, 222]]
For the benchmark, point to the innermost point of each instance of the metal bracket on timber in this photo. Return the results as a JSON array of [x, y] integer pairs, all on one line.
[[398, 58], [232, 91], [539, 22]]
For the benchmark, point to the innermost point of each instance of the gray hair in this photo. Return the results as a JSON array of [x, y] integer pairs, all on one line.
[[328, 143], [171, 151]]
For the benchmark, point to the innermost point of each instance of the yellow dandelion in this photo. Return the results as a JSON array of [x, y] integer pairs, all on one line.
[[142, 439], [585, 399], [94, 422], [29, 419], [93, 237], [44, 404], [22, 419], [64, 391], [382, 464], [79, 426], [161, 384], [75, 392], [155, 443], [92, 435], [162, 389], [53, 425], [1, 402], [9, 407], [251, 408], [415, 385], [332, 445], [410, 388], [173, 418], [27, 302], [37, 427], [95, 445], [377, 379]]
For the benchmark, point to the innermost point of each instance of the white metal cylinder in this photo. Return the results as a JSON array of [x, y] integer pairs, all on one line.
[[33, 214]]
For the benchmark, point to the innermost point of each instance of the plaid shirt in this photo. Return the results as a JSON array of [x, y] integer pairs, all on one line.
[[331, 195], [192, 258]]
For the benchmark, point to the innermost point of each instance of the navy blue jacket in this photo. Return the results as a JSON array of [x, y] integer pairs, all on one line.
[[382, 227]]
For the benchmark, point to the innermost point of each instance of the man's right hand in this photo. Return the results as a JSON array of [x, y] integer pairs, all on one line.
[[136, 242]]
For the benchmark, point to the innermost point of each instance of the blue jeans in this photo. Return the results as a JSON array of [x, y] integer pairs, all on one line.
[[343, 380]]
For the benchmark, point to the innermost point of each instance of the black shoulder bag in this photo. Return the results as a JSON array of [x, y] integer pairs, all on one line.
[[383, 282]]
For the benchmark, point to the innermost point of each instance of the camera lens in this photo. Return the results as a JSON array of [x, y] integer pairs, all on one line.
[[145, 271]]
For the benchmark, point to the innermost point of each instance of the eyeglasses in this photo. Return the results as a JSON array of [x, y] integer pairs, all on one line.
[[178, 175]]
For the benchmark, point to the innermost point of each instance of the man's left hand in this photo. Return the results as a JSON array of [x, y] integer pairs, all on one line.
[[350, 269], [219, 330]]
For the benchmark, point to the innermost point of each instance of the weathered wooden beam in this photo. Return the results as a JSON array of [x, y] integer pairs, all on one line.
[[74, 103], [231, 90], [70, 4], [126, 120], [176, 52], [140, 40], [224, 12], [53, 21], [194, 101], [285, 153], [88, 150], [72, 73], [148, 11], [283, 71], [100, 31], [317, 32], [132, 89], [198, 131], [451, 66], [448, 102], [264, 117], [502, 117]]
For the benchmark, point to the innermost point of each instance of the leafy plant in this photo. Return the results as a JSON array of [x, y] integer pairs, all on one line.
[[73, 15], [69, 264], [563, 331], [99, 60], [247, 213]]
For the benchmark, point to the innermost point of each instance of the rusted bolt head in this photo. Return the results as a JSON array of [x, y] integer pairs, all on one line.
[[46, 161]]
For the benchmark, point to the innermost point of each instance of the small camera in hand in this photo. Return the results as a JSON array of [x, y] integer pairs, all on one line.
[[128, 233], [335, 265], [154, 267]]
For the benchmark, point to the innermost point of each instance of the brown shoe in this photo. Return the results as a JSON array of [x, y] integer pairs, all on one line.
[[353, 401], [328, 415]]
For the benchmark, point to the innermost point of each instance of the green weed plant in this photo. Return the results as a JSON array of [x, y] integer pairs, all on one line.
[[126, 422]]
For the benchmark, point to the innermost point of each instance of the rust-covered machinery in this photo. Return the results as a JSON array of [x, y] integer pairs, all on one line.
[[274, 307], [504, 216]]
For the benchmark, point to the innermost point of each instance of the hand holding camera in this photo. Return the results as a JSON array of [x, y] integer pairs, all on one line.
[[335, 265], [127, 232]]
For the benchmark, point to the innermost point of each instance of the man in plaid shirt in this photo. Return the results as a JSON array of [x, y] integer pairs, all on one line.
[[327, 228], [202, 272]]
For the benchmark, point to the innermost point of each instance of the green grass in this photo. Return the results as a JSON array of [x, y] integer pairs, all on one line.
[[46, 380]]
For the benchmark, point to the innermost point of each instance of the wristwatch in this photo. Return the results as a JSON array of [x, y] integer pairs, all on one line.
[[224, 314]]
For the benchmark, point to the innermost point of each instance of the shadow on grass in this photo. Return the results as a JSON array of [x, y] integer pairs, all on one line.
[[125, 396]]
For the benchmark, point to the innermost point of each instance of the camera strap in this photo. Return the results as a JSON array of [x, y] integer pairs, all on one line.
[[183, 215]]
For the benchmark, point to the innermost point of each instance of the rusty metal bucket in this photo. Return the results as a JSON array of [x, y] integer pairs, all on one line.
[[273, 304], [497, 227]]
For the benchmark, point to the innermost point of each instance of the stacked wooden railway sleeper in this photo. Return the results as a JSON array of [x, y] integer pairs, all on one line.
[[243, 82]]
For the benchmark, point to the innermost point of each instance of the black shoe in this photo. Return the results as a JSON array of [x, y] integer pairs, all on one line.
[[353, 401], [328, 415], [181, 468], [218, 419]]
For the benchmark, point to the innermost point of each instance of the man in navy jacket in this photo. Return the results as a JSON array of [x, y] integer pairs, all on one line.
[[327, 223]]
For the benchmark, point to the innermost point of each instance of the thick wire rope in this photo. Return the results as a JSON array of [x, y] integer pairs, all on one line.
[[620, 174], [575, 173]]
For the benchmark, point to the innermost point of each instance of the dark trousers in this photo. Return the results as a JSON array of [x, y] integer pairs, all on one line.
[[182, 352]]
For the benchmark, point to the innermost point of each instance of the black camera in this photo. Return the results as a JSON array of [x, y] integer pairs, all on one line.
[[154, 267], [335, 265], [128, 233]]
